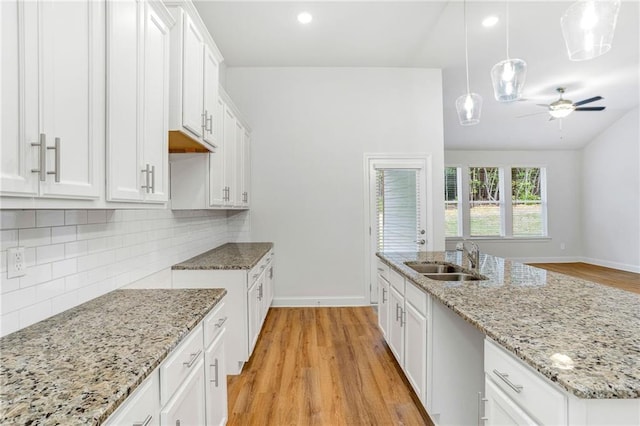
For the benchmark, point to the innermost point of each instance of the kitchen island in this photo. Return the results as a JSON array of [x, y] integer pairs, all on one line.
[[580, 336], [77, 367]]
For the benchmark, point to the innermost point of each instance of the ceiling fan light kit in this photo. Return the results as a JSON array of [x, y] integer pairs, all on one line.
[[588, 27], [508, 76], [469, 105]]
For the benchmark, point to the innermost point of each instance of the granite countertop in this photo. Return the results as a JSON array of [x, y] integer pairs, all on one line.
[[228, 256], [536, 314], [77, 367]]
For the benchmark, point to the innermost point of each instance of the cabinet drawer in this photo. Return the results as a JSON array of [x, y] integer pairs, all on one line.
[[213, 323], [255, 272], [180, 363], [397, 281], [383, 269], [538, 398], [417, 298], [142, 406]]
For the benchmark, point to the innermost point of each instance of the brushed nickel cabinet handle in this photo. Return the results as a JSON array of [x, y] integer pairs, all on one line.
[[384, 293], [215, 377], [153, 179], [146, 172], [221, 321], [56, 148], [42, 157], [194, 358], [505, 378], [145, 422]]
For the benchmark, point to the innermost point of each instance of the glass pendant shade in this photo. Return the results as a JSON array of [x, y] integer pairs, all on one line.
[[508, 79], [588, 27], [469, 107]]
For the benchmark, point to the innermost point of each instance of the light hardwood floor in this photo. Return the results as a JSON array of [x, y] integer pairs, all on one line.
[[623, 280], [322, 366]]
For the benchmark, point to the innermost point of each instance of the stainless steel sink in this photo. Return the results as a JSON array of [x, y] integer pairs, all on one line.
[[454, 277], [433, 268]]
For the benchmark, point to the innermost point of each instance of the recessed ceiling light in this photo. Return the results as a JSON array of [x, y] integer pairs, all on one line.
[[304, 17], [489, 21]]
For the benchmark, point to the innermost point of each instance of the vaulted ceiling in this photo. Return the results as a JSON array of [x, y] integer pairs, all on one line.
[[431, 34]]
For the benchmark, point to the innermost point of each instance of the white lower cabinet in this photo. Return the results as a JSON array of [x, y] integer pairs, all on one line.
[[501, 410], [396, 325], [383, 305], [190, 385], [415, 351], [249, 296]]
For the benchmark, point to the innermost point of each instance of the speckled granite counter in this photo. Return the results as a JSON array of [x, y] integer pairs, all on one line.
[[535, 314], [228, 256], [79, 366]]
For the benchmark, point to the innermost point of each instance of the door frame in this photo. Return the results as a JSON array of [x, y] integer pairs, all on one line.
[[391, 160]]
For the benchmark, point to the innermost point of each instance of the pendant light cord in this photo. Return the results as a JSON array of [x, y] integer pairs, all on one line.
[[507, 26], [466, 48]]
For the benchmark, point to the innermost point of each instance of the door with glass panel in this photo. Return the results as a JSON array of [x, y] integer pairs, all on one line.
[[397, 211]]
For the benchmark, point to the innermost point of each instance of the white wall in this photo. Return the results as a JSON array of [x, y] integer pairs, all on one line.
[[73, 256], [564, 204], [611, 179], [311, 128]]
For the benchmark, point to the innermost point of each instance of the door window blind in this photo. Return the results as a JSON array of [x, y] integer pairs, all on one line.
[[398, 209]]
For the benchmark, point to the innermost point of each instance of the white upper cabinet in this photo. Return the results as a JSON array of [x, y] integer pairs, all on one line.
[[230, 127], [53, 99], [137, 101], [217, 189], [194, 78]]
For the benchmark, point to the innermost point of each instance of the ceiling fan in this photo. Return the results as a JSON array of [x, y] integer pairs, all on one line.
[[563, 107]]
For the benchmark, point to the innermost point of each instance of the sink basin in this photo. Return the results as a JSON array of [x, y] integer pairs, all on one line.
[[454, 277], [433, 268]]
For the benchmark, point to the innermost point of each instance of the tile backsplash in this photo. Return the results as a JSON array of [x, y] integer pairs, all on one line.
[[73, 256]]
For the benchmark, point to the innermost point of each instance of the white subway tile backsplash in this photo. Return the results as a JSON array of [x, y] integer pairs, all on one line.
[[36, 275], [63, 234], [32, 237], [63, 268], [8, 239], [49, 218], [73, 256], [75, 217], [48, 254]]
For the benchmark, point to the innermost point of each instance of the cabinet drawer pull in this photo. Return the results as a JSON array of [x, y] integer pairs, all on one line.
[[145, 422], [147, 185], [56, 148], [153, 179], [215, 376], [397, 312], [42, 157], [221, 321], [380, 269], [255, 276], [384, 293], [194, 358], [505, 378], [403, 317]]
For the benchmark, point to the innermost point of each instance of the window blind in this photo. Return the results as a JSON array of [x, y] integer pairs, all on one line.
[[398, 209]]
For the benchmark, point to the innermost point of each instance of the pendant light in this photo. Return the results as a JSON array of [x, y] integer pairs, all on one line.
[[508, 75], [588, 27], [468, 105]]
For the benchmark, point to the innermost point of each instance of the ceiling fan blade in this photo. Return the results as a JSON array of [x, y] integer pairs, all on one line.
[[529, 115], [586, 101], [589, 109]]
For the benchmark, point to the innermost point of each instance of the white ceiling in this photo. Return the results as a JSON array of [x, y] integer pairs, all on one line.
[[431, 34]]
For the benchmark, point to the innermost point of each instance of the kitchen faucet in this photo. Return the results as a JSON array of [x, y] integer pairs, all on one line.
[[473, 255]]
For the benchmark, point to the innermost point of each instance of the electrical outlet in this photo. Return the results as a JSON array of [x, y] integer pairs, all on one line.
[[16, 263], [562, 246]]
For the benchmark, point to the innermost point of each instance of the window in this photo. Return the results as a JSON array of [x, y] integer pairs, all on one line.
[[526, 202], [485, 208], [452, 210], [476, 204]]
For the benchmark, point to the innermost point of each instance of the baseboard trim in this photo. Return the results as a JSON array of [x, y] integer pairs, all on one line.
[[319, 301], [562, 259], [614, 265]]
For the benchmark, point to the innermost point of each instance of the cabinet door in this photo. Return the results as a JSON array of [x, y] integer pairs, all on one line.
[[230, 164], [396, 325], [211, 65], [383, 306], [500, 410], [217, 192], [415, 350], [238, 195], [19, 100], [124, 147], [156, 105], [216, 382], [187, 407], [246, 169], [192, 79], [72, 96], [254, 308]]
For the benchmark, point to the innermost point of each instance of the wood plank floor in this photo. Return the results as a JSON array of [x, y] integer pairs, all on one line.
[[322, 366], [623, 280]]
